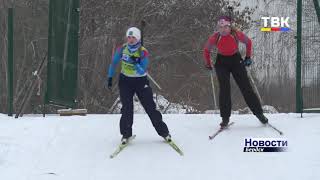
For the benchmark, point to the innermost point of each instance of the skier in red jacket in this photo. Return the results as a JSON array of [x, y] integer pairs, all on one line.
[[229, 61]]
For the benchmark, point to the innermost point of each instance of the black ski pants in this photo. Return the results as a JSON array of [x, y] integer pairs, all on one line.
[[138, 85], [226, 65]]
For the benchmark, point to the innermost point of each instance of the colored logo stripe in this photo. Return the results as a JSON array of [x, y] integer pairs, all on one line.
[[265, 29], [285, 29]]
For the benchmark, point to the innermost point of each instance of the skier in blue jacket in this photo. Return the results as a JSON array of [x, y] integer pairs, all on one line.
[[133, 80]]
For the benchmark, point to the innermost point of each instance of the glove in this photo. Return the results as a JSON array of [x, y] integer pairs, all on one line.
[[247, 61], [209, 67], [109, 83]]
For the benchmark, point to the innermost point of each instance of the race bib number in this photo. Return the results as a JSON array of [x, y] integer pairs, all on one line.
[[128, 68]]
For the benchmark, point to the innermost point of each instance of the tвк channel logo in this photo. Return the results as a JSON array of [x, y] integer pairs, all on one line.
[[275, 24], [265, 145]]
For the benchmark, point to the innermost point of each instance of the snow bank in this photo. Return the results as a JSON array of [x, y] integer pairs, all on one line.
[[163, 105]]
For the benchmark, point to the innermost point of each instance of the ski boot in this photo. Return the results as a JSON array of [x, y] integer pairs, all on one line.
[[167, 138], [224, 123], [124, 140], [263, 119]]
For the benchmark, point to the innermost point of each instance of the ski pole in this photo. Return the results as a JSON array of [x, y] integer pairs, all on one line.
[[213, 90], [142, 26], [254, 85], [274, 128], [154, 82]]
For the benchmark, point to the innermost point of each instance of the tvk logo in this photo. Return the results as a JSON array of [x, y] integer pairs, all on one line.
[[274, 24]]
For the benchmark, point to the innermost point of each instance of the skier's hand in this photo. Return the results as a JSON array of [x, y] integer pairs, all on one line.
[[209, 67], [247, 61], [108, 83]]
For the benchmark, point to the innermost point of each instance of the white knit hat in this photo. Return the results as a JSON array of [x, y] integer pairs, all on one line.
[[135, 32]]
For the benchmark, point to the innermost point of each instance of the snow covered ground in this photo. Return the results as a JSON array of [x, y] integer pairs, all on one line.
[[78, 148]]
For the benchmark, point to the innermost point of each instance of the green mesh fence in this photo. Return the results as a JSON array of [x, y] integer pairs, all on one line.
[[62, 52], [310, 56]]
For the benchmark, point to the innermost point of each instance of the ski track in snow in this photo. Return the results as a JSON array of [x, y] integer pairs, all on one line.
[[64, 148]]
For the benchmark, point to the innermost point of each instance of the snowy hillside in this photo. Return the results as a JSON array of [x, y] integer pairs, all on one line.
[[78, 148]]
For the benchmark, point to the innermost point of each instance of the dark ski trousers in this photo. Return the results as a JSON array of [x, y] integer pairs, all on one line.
[[232, 64], [138, 85]]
